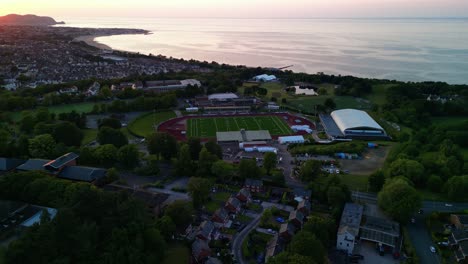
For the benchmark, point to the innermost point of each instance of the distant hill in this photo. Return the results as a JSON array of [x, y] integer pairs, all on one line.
[[32, 20]]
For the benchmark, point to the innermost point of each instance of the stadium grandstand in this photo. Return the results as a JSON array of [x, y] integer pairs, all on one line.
[[351, 123]]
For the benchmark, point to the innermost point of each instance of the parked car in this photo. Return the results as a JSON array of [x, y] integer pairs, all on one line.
[[271, 231], [448, 205], [443, 243], [433, 250], [413, 220], [420, 211]]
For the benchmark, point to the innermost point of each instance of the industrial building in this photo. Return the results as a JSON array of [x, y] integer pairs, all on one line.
[[291, 140], [352, 123]]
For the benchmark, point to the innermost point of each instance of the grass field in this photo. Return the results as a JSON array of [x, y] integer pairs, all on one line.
[[449, 120], [144, 124], [207, 127], [307, 103], [89, 136], [66, 108], [177, 253]]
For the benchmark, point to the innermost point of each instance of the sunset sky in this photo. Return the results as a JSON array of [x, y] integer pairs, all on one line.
[[238, 8]]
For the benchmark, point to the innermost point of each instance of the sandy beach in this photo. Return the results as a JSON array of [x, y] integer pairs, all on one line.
[[91, 40]]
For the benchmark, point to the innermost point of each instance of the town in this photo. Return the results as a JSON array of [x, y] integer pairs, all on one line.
[[119, 157]]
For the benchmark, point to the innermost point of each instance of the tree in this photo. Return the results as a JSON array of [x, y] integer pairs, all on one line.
[[336, 196], [106, 155], [266, 216], [67, 133], [110, 122], [310, 170], [398, 199], [269, 161], [248, 169], [199, 189], [112, 175], [167, 226], [329, 104], [322, 228], [162, 144], [322, 91], [376, 181], [214, 148], [42, 147], [435, 183], [27, 123], [306, 244], [457, 188], [205, 162], [180, 212], [5, 139], [107, 135], [410, 169], [195, 147], [291, 258], [184, 165], [128, 156], [222, 170]]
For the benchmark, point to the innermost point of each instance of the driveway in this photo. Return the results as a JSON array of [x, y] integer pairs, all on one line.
[[288, 167]]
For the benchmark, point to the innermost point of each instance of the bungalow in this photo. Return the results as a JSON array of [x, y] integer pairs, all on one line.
[[253, 185], [296, 218], [220, 216], [304, 207], [244, 195], [205, 230], [200, 250], [233, 205], [287, 231]]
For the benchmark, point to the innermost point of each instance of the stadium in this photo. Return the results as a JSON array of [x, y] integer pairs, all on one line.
[[351, 124], [235, 127]]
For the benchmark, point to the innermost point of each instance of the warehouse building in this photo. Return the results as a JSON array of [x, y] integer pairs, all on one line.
[[352, 123], [291, 140]]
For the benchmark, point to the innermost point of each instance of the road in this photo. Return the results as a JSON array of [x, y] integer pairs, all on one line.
[[240, 237], [418, 233]]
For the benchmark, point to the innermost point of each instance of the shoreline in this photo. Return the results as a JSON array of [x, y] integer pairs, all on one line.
[[91, 41]]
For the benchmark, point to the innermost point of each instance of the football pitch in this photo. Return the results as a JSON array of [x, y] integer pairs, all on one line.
[[207, 127]]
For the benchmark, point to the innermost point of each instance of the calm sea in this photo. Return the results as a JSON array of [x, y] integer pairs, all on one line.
[[402, 49]]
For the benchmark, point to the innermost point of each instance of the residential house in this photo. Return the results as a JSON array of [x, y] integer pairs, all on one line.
[[244, 195], [200, 250], [94, 89], [297, 218], [460, 221], [206, 230], [254, 185], [233, 205], [220, 216], [287, 231], [304, 207], [69, 90]]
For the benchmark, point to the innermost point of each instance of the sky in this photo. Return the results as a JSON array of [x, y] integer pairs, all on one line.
[[238, 8]]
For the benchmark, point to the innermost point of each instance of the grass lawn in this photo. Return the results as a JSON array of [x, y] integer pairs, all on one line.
[[85, 107], [221, 196], [144, 124], [89, 135], [355, 182], [448, 120], [207, 127], [307, 103], [177, 253], [464, 151], [212, 206]]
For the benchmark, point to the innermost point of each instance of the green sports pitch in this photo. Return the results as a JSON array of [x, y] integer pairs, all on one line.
[[207, 127]]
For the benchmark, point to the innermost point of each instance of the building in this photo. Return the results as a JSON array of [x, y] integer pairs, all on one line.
[[57, 165], [220, 216], [380, 231], [287, 231], [70, 90], [352, 123], [170, 85], [301, 194], [33, 165], [348, 231], [80, 173], [254, 185], [7, 164], [222, 96], [460, 221], [304, 207], [94, 89], [291, 140], [265, 78], [273, 247], [244, 195], [243, 136], [233, 205], [206, 230], [297, 218], [200, 250], [458, 241]]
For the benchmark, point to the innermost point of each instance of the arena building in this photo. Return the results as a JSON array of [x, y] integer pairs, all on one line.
[[351, 123]]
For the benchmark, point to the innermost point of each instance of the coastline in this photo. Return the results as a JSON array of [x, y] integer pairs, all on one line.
[[91, 41]]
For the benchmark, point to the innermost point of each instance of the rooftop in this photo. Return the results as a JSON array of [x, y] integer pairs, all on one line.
[[222, 96], [351, 219], [33, 164], [243, 135], [79, 173], [61, 161]]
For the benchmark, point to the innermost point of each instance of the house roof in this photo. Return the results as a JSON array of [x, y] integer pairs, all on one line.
[[243, 135], [7, 164], [221, 213], [351, 219], [234, 202], [79, 173], [463, 219], [205, 229], [304, 204], [61, 161], [244, 192], [198, 246], [354, 119], [301, 192], [33, 164], [298, 215], [287, 227], [272, 247]]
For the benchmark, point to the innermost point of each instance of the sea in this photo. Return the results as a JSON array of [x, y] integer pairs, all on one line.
[[410, 49]]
